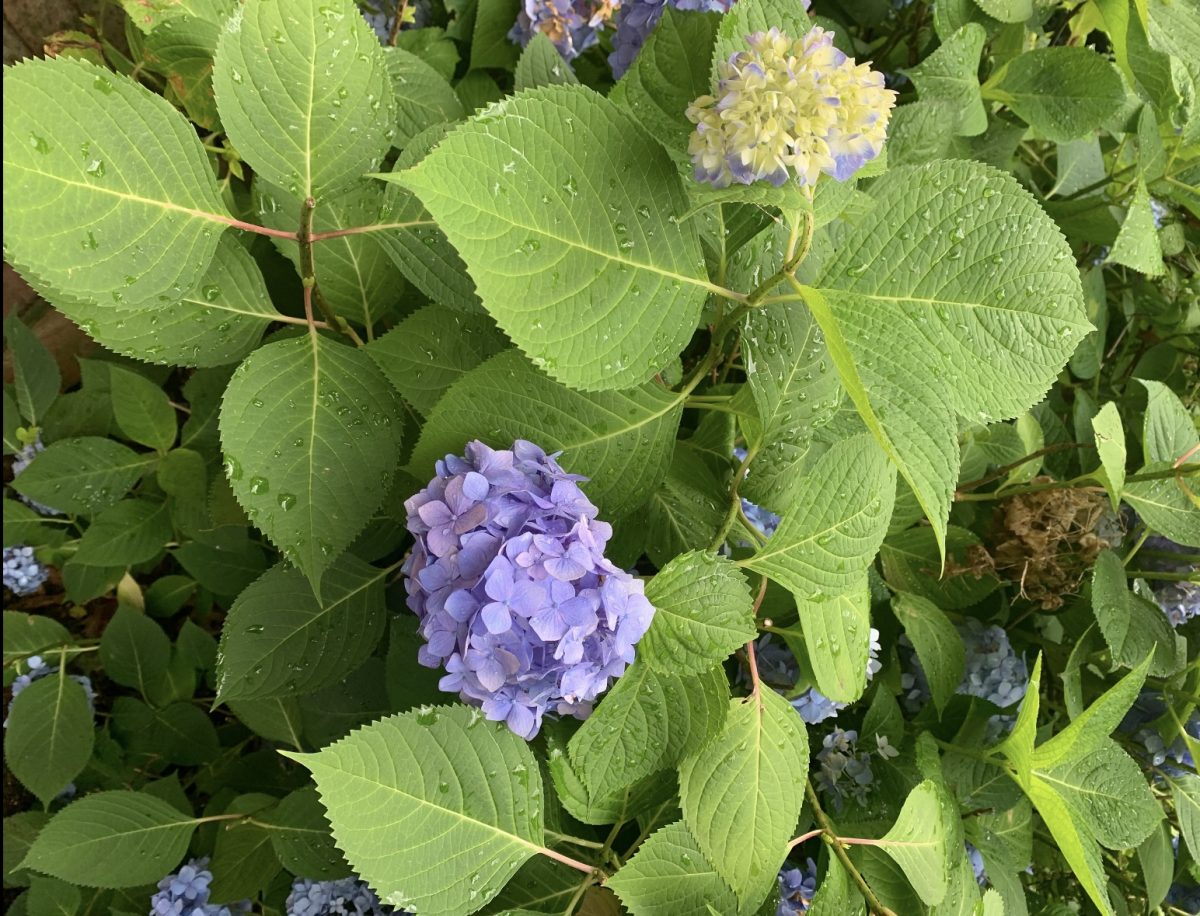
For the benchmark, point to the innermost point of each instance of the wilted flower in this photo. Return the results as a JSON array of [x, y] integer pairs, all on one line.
[[348, 896], [789, 108], [797, 887], [185, 893], [515, 596], [573, 25], [23, 574]]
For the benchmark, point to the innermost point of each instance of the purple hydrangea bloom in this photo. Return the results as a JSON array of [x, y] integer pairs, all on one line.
[[23, 574], [348, 896], [764, 520], [573, 25], [797, 887], [515, 596], [976, 859], [637, 20], [185, 893]]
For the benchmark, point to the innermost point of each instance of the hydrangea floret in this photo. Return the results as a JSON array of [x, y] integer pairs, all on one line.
[[843, 770], [789, 109], [516, 598], [348, 896], [994, 671], [573, 25], [638, 18], [23, 574], [797, 887], [186, 892]]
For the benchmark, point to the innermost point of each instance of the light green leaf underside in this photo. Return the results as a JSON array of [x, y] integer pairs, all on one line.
[[824, 545], [1137, 244], [566, 214], [669, 876], [1170, 505], [621, 440], [112, 839], [310, 430], [1062, 92], [917, 841], [956, 294], [1110, 444], [303, 92], [110, 196], [703, 612], [1168, 431], [279, 640], [48, 735], [742, 792], [463, 793], [433, 348], [540, 64], [937, 642], [837, 634]]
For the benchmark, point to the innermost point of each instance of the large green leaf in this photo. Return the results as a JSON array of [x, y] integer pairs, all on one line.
[[837, 640], [280, 640], [142, 410], [937, 642], [794, 392], [1062, 92], [918, 840], [423, 97], [49, 734], [1165, 505], [109, 195], [1168, 431], [1133, 626], [29, 634], [433, 348], [181, 49], [133, 531], [567, 215], [541, 65], [951, 74], [303, 92], [978, 324], [621, 440], [686, 511], [742, 792], [334, 421], [135, 650], [703, 612], [669, 876], [1110, 445], [36, 378], [112, 839], [82, 475], [1137, 244], [461, 799], [303, 839], [824, 545], [1185, 790]]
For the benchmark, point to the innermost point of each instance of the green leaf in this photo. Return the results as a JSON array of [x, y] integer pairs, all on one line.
[[1064, 93], [794, 394], [181, 49], [1137, 243], [131, 532], [423, 97], [1074, 843], [490, 44], [244, 861], [916, 347], [543, 885], [1164, 505], [49, 734], [621, 440], [117, 202], [917, 841], [533, 211], [670, 70], [36, 378], [686, 511], [433, 348], [30, 634], [280, 640], [134, 649], [1007, 10], [836, 896], [703, 612], [742, 792], [937, 643], [336, 421], [541, 65], [218, 322], [150, 15], [428, 774], [1133, 626], [82, 475], [1185, 790], [824, 545], [1018, 746], [1157, 860], [142, 410], [837, 640], [1110, 443], [112, 839], [303, 839], [304, 94], [51, 897], [669, 876], [277, 719], [951, 74], [1168, 431], [20, 829], [745, 18], [911, 564]]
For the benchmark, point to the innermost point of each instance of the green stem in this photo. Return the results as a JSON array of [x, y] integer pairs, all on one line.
[[735, 501], [1084, 482], [831, 840], [308, 276]]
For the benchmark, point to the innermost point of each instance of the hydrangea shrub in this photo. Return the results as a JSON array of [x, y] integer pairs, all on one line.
[[605, 456]]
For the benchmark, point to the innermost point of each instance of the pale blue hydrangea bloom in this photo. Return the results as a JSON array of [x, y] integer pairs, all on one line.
[[1147, 709], [1180, 601], [797, 887], [789, 109], [994, 671], [348, 896], [23, 574], [573, 25], [843, 770], [638, 18], [515, 595], [186, 893]]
